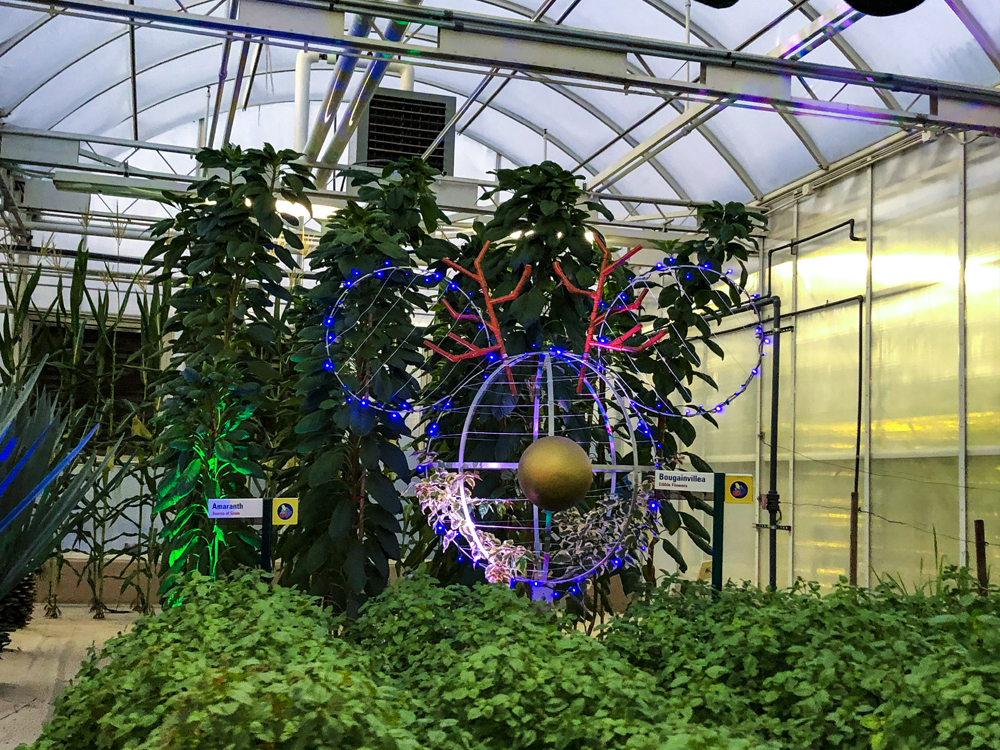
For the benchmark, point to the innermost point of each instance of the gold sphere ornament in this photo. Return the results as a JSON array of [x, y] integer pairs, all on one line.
[[554, 473]]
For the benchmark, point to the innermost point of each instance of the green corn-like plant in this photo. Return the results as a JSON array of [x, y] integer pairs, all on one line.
[[81, 336]]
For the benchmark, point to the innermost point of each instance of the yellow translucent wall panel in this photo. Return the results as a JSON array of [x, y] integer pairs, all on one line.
[[833, 267], [733, 440], [915, 361], [781, 230], [982, 281], [915, 306], [914, 517], [826, 409]]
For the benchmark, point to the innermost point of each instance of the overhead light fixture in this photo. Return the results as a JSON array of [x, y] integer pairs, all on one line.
[[883, 7], [718, 3]]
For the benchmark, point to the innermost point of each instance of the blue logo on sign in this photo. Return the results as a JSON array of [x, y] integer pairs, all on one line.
[[285, 511], [738, 489]]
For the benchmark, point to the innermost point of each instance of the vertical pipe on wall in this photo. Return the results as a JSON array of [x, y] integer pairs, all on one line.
[[869, 253], [773, 498], [963, 406], [303, 68], [758, 458]]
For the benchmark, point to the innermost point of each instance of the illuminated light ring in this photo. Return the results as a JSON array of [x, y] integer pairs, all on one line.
[[478, 549], [417, 273], [690, 410]]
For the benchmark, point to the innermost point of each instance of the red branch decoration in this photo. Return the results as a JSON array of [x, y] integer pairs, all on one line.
[[597, 317], [492, 323]]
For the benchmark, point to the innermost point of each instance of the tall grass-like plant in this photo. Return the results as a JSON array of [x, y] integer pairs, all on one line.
[[101, 363], [229, 245]]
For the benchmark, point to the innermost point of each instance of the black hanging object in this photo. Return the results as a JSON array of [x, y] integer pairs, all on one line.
[[883, 7], [718, 3]]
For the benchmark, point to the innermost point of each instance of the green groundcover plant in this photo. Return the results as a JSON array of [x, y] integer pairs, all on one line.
[[241, 663], [856, 668]]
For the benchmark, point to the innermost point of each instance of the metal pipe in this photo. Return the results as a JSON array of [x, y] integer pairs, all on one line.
[[855, 508], [132, 77], [981, 574], [346, 62], [237, 85], [795, 243], [303, 67], [407, 76], [588, 39], [362, 99], [223, 74], [963, 366], [773, 499]]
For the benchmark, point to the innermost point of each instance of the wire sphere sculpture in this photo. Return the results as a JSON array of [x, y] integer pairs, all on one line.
[[724, 302], [527, 397], [433, 285]]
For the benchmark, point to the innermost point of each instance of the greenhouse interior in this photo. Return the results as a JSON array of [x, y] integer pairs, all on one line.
[[500, 374]]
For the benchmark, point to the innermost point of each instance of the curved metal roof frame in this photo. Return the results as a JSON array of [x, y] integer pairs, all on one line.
[[517, 9], [520, 119], [621, 131]]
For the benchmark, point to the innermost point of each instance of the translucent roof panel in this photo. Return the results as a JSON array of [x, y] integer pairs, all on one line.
[[72, 74]]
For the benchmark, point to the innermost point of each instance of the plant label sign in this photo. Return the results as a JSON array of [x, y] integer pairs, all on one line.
[[285, 511], [691, 481], [235, 507], [739, 489]]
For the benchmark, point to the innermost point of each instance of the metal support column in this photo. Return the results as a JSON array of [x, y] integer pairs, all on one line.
[[718, 528], [266, 534], [869, 252], [792, 354], [963, 406]]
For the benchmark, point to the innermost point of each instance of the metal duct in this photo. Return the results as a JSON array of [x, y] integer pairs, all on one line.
[[335, 93], [362, 98]]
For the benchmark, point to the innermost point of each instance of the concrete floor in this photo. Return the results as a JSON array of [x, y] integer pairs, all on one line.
[[42, 659]]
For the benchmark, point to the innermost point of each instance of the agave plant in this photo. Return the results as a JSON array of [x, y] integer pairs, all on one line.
[[42, 482]]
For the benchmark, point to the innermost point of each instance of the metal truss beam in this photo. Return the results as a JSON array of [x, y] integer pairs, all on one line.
[[885, 94], [676, 129], [10, 42], [823, 29], [487, 41], [9, 209]]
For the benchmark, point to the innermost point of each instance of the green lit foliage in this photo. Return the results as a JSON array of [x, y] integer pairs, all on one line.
[[227, 246], [852, 670], [350, 453], [494, 670]]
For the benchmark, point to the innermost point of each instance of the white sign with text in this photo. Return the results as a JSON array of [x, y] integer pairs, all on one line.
[[236, 507], [685, 480]]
